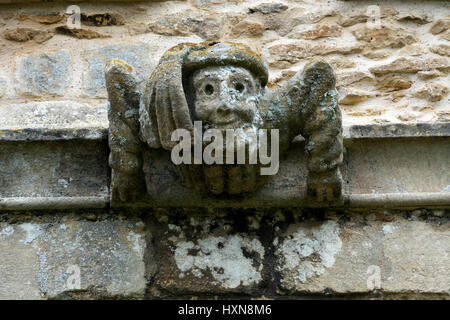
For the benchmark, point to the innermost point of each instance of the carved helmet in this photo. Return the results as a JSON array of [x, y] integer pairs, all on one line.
[[164, 107]]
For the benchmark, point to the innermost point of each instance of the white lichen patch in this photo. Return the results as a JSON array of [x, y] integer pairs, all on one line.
[[6, 232], [228, 259], [137, 241], [305, 254], [388, 228], [33, 231]]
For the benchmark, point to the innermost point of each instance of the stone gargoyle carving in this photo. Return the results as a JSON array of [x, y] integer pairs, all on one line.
[[222, 85]]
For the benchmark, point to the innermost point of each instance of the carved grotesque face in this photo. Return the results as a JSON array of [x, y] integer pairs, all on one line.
[[225, 97]]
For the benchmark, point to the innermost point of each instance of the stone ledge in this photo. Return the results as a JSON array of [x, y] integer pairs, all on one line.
[[52, 203], [53, 120], [48, 132], [74, 1], [380, 170], [44, 134], [397, 130]]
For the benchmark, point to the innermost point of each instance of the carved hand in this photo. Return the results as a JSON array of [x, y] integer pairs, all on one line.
[[123, 115], [309, 107]]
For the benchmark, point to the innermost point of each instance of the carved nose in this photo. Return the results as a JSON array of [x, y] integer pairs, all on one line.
[[224, 108]]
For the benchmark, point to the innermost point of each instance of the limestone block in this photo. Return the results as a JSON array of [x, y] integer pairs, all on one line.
[[140, 56], [42, 74], [203, 255], [2, 87], [44, 259], [63, 114], [19, 264], [400, 256]]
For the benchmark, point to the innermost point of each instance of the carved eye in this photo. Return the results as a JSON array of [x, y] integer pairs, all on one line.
[[209, 89], [239, 87]]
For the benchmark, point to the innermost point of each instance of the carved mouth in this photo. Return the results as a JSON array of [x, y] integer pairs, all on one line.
[[227, 120]]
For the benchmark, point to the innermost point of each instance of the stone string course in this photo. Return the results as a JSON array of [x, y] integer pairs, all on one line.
[[391, 73]]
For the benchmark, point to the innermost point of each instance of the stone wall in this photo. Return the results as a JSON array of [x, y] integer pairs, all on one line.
[[242, 253], [390, 70], [53, 127]]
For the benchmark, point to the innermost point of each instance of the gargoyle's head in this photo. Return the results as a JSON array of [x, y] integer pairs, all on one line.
[[223, 97], [219, 84]]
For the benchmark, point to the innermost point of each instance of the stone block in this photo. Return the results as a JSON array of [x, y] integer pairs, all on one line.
[[205, 255], [44, 259], [2, 87], [19, 264], [360, 256], [52, 115], [43, 74], [140, 56]]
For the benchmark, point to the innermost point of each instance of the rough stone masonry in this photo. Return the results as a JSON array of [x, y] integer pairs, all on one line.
[[390, 71]]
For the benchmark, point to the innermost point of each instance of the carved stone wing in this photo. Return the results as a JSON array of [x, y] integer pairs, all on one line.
[[125, 147]]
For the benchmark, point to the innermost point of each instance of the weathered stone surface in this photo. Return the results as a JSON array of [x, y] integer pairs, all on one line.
[[316, 32], [53, 169], [43, 73], [267, 8], [3, 85], [350, 19], [80, 33], [415, 113], [353, 96], [427, 75], [441, 49], [411, 65], [341, 62], [433, 92], [41, 258], [294, 52], [282, 78], [284, 21], [177, 24], [440, 25], [19, 263], [369, 112], [416, 18], [364, 255], [137, 28], [445, 35], [247, 28], [140, 56], [413, 50], [207, 3], [27, 34], [103, 19], [376, 54], [52, 115], [427, 255], [205, 254], [394, 83], [386, 36], [312, 16], [206, 25], [344, 78], [397, 96], [43, 16]]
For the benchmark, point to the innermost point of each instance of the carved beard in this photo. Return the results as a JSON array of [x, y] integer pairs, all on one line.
[[226, 178]]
